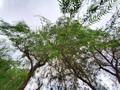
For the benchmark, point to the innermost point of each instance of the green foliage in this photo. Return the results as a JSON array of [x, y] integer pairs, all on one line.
[[67, 41], [77, 47], [11, 79], [74, 43], [93, 10], [10, 76], [70, 6], [71, 49]]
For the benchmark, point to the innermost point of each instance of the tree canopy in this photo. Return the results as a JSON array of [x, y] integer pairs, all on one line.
[[68, 53]]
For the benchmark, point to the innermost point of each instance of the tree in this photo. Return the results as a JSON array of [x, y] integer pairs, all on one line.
[[66, 41], [69, 45], [78, 49], [31, 44], [106, 54], [106, 48], [75, 43], [10, 75], [12, 78], [53, 42]]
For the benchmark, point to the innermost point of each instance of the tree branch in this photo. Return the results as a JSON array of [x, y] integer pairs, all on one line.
[[107, 70]]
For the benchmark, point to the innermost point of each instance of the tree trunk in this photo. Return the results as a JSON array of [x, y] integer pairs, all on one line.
[[88, 83], [118, 77], [92, 87], [29, 75]]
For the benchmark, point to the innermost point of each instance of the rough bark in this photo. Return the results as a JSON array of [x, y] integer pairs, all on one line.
[[29, 75]]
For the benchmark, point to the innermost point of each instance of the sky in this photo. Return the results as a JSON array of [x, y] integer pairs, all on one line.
[[26, 10]]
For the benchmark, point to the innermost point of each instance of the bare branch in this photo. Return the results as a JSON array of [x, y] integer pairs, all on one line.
[[107, 70]]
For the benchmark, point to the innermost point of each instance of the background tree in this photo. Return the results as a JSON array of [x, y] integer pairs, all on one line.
[[10, 76], [31, 44]]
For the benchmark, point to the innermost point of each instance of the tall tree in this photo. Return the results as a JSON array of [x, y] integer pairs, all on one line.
[[59, 41], [106, 48], [33, 45], [71, 44], [77, 47]]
